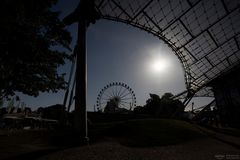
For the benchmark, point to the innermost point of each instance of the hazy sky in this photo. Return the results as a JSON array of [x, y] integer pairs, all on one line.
[[121, 53]]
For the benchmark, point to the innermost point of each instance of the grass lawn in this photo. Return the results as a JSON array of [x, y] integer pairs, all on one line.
[[138, 135], [149, 132]]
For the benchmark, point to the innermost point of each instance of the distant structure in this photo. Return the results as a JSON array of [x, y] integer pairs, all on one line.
[[203, 34], [17, 118], [116, 97]]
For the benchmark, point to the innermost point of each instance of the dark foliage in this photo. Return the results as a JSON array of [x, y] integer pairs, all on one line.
[[28, 63], [53, 112], [3, 111], [164, 107], [152, 104]]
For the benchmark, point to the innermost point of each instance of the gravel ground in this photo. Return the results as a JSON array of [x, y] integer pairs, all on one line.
[[202, 149]]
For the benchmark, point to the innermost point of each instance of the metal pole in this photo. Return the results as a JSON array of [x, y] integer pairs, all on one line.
[[81, 82], [192, 106]]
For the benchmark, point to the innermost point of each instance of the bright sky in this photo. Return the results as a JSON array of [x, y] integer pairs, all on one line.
[[121, 53]]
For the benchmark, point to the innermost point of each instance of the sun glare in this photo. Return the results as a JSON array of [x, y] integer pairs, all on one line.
[[158, 65]]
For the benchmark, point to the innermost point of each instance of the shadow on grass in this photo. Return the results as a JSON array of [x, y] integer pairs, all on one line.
[[150, 132], [32, 144], [133, 133]]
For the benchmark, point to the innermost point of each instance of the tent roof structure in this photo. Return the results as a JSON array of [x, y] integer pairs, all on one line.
[[203, 34]]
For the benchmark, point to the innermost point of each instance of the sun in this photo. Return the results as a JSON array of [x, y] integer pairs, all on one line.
[[158, 66]]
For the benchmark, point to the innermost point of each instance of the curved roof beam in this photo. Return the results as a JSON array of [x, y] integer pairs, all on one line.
[[204, 34]]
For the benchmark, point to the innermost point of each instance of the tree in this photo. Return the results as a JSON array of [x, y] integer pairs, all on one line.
[[54, 112], [30, 31], [152, 104], [170, 107], [111, 106], [165, 106]]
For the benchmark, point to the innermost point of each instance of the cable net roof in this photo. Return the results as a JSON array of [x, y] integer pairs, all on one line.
[[204, 34]]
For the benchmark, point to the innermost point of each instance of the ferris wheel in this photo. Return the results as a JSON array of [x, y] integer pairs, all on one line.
[[118, 94]]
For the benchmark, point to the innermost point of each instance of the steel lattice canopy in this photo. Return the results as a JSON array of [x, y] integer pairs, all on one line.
[[204, 34]]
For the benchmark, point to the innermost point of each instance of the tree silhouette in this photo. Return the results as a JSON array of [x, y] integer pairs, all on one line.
[[164, 107], [30, 31], [152, 104], [170, 107]]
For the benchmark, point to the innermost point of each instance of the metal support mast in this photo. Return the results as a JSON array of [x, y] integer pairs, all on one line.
[[84, 14], [81, 82]]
